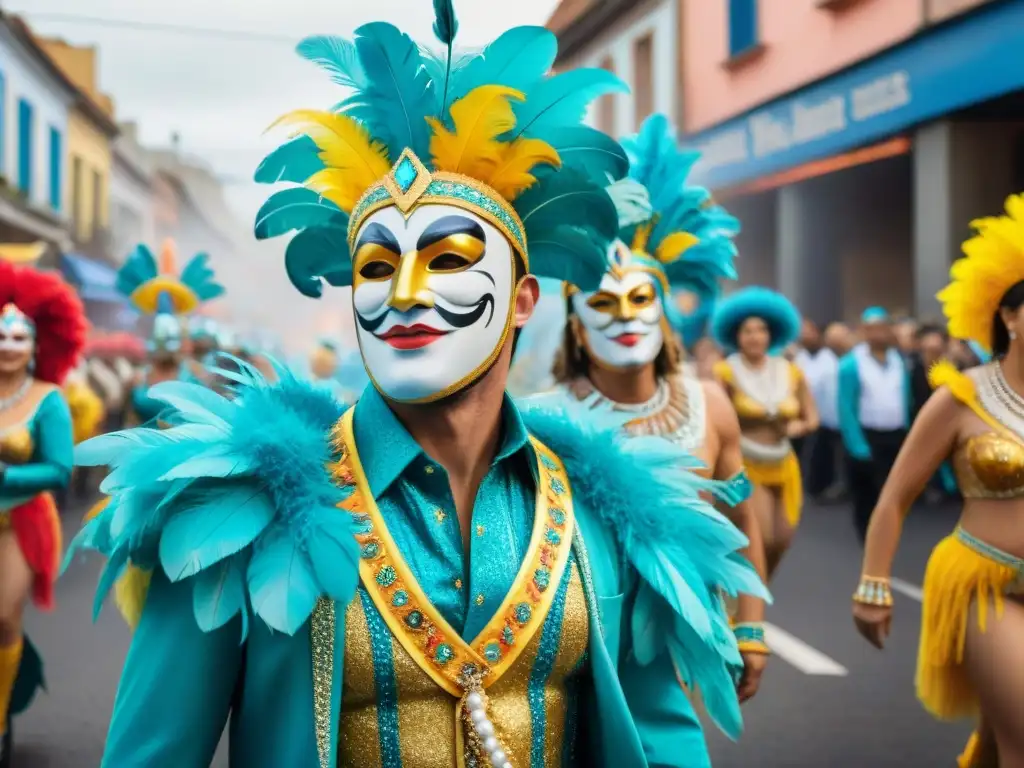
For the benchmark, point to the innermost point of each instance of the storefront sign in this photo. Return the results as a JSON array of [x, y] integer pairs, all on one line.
[[940, 71]]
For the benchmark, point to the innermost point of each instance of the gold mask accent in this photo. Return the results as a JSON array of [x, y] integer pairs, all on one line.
[[624, 307], [410, 273]]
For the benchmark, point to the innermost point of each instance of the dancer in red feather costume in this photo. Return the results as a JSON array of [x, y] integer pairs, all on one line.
[[42, 333]]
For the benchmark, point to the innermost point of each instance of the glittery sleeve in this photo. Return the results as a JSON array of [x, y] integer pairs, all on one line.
[[176, 686]]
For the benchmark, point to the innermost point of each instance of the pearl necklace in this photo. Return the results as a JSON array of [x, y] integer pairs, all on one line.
[[17, 396], [482, 742]]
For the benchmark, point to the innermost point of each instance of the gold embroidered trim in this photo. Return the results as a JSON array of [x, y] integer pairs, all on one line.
[[322, 639], [415, 622]]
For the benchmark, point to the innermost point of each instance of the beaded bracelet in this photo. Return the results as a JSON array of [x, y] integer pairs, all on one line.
[[873, 590], [753, 646], [749, 632]]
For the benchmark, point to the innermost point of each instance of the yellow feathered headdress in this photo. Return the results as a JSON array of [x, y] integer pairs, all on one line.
[[993, 263]]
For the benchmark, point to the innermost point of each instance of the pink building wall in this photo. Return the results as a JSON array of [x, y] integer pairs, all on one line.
[[801, 43]]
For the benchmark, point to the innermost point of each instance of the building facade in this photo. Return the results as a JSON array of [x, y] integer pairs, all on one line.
[[852, 144], [635, 39], [132, 197], [35, 101], [91, 134]]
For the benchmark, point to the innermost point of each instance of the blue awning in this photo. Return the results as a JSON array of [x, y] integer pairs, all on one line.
[[94, 280]]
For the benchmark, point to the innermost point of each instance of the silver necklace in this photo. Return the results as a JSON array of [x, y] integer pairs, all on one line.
[[17, 396], [998, 398], [768, 385]]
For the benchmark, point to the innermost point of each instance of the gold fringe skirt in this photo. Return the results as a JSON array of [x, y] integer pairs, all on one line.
[[785, 476], [961, 571]]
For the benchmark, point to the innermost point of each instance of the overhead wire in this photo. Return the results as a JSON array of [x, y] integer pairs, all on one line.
[[157, 26]]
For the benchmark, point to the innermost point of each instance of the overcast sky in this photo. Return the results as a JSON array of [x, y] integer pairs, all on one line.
[[220, 94]]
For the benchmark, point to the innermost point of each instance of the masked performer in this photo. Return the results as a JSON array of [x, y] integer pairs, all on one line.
[[434, 577], [42, 332], [971, 659], [773, 402], [620, 349], [155, 288]]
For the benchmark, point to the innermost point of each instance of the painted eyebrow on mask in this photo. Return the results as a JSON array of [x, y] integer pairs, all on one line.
[[378, 234], [447, 226]]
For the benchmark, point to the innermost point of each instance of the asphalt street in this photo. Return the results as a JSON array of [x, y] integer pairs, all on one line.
[[828, 699]]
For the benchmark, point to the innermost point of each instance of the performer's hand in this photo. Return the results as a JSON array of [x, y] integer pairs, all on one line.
[[750, 680], [873, 621]]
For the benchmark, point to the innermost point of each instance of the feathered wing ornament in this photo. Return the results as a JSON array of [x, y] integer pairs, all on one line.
[[221, 501], [685, 552]]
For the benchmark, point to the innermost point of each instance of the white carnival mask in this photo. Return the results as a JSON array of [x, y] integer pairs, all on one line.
[[432, 295], [17, 333], [622, 319]]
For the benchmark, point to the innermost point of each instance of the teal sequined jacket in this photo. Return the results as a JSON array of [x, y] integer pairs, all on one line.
[[235, 509]]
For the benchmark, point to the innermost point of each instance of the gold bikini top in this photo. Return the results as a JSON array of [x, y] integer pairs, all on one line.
[[989, 465], [749, 406], [16, 445]]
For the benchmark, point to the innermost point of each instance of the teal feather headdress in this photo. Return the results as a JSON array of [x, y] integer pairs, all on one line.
[[686, 241], [155, 288], [491, 131]]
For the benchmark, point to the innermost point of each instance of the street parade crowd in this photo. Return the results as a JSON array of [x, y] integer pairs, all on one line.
[[377, 557]]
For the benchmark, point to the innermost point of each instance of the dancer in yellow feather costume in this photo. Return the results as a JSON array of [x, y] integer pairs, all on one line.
[[971, 658]]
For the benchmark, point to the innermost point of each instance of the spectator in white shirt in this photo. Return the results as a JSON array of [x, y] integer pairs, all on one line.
[[819, 360]]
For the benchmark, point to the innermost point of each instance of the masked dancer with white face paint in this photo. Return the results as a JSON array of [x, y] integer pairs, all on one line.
[[773, 403], [154, 287], [436, 576], [621, 352], [42, 334]]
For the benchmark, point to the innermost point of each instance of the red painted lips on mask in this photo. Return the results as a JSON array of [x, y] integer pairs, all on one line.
[[411, 337]]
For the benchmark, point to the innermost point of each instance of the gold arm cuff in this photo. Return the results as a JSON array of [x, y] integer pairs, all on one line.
[[873, 590]]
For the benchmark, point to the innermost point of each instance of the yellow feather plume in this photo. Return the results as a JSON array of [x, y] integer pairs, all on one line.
[[479, 117], [641, 236], [993, 263], [354, 161], [945, 374], [674, 246], [512, 176]]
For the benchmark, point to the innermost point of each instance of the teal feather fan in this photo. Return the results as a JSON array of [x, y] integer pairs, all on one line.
[[657, 162], [541, 169]]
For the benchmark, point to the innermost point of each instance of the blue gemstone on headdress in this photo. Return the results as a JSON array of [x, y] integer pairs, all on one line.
[[405, 174]]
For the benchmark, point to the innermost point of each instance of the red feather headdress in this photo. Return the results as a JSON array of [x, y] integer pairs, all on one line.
[[57, 313]]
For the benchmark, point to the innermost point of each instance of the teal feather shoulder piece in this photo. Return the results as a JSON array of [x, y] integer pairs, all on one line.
[[220, 500], [688, 238], [685, 552], [490, 131]]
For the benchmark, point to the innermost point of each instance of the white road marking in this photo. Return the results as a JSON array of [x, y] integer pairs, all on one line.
[[906, 588], [800, 655]]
